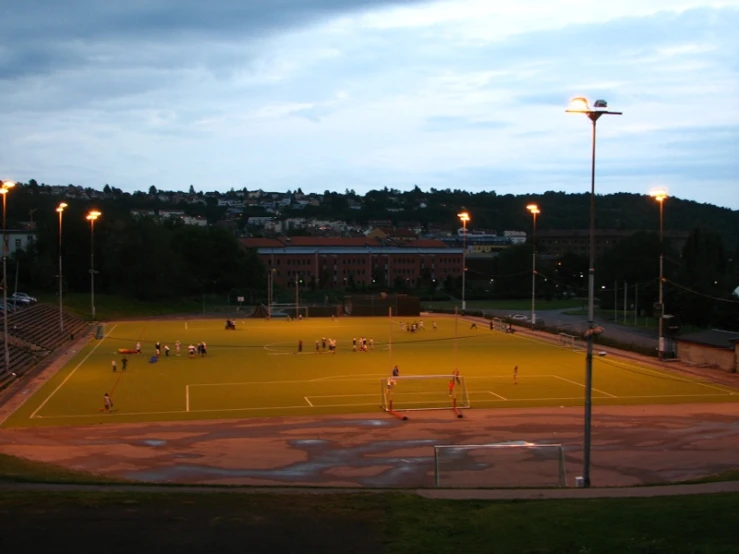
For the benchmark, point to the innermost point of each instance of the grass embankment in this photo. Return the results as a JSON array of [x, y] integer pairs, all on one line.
[[21, 470], [366, 523]]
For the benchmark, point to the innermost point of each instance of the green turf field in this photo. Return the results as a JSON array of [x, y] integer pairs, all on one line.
[[256, 371]]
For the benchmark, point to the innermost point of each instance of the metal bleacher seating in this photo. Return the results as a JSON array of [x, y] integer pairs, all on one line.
[[33, 333]]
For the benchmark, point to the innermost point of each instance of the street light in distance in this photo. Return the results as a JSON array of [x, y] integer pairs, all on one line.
[[534, 209], [660, 195], [92, 217], [5, 187], [464, 217], [60, 211]]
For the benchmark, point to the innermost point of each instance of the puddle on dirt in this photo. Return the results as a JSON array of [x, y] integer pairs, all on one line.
[[392, 470]]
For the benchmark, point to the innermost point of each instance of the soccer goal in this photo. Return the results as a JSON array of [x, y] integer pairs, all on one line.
[[500, 465], [423, 392], [570, 341], [289, 310], [498, 324]]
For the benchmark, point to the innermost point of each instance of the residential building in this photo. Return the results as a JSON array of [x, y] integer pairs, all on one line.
[[340, 262]]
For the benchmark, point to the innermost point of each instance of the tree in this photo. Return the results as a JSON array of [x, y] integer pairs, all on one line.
[[152, 190]]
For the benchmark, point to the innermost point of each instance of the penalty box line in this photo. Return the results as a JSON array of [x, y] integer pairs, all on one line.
[[94, 348]]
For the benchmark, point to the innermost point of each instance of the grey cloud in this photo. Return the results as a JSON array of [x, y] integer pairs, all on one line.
[[37, 33]]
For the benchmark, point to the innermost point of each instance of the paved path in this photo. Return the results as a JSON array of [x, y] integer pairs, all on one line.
[[445, 494]]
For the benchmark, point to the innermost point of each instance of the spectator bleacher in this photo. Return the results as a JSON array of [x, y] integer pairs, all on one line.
[[33, 333]]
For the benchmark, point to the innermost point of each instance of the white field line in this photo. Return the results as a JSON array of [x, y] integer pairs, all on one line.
[[187, 398], [349, 377], [308, 401], [499, 396], [631, 366], [33, 415], [340, 395], [581, 385], [173, 412], [278, 382], [616, 362]]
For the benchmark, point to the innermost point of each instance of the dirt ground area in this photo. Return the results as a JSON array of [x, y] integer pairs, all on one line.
[[631, 445]]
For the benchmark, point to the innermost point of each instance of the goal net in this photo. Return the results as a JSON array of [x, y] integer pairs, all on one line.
[[423, 392], [499, 465], [498, 324], [289, 310], [570, 341]]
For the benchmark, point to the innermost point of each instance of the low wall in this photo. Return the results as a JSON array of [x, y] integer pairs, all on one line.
[[699, 354]]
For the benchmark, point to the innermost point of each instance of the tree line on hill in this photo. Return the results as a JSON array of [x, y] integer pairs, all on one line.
[[143, 259]]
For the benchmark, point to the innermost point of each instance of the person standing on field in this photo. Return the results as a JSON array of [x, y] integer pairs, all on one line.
[[515, 375], [107, 402], [124, 363], [113, 364]]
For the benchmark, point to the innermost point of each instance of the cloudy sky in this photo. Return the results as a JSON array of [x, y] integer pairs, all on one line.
[[363, 94]]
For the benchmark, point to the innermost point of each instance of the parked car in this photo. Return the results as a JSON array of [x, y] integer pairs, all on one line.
[[22, 298], [518, 317]]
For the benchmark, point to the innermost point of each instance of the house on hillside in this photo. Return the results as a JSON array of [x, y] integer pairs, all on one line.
[[713, 348]]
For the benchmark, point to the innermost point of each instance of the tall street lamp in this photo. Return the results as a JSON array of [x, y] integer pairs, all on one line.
[[581, 105], [60, 211], [5, 187], [534, 209], [297, 295], [270, 279], [660, 195], [464, 217], [92, 217]]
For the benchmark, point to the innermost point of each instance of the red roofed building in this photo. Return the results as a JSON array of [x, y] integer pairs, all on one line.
[[336, 262]]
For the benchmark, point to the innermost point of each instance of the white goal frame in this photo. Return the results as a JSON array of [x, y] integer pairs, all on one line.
[[570, 341], [558, 449], [289, 310], [393, 390]]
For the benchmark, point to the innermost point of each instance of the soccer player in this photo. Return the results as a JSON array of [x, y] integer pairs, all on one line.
[[124, 363], [114, 365], [515, 375], [138, 348], [107, 402], [456, 376], [166, 351], [396, 371]]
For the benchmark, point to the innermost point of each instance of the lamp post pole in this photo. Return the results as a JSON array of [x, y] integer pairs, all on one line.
[[534, 209], [60, 211], [92, 217], [581, 105], [269, 293], [297, 296], [5, 187], [464, 217], [660, 196]]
